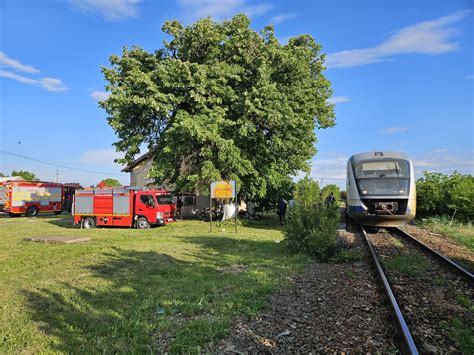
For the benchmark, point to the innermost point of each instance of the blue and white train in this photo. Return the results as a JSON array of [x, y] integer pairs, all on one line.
[[381, 189]]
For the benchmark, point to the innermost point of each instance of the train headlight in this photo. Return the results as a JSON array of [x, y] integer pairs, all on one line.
[[401, 191], [364, 192]]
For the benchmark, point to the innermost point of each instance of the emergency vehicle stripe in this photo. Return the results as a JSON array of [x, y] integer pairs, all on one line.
[[7, 195]]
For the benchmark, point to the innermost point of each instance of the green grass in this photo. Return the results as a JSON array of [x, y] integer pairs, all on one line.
[[350, 274], [460, 333], [407, 264], [465, 302], [462, 233], [396, 243], [133, 291], [463, 335], [351, 255]]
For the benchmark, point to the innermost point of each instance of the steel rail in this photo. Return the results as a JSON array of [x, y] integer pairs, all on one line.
[[446, 260], [405, 331]]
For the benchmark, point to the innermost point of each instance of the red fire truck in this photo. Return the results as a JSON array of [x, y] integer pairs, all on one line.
[[122, 207], [32, 197]]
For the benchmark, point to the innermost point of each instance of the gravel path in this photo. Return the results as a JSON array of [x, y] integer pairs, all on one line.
[[330, 307], [443, 245], [436, 303]]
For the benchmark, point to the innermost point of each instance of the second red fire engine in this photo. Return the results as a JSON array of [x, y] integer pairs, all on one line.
[[122, 207]]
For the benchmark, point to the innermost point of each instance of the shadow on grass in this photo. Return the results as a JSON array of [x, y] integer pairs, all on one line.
[[267, 221], [63, 223], [144, 301]]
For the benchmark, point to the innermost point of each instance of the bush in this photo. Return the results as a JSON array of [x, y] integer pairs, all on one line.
[[312, 225], [439, 194], [326, 190]]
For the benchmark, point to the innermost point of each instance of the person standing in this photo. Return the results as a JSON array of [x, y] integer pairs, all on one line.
[[281, 210], [330, 200]]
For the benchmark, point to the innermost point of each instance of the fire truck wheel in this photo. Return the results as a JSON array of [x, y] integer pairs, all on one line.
[[32, 211], [142, 223], [88, 223]]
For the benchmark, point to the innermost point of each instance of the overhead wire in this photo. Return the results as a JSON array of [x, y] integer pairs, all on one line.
[[59, 165]]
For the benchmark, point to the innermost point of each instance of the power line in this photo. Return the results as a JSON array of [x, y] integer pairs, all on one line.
[[58, 165], [68, 163]]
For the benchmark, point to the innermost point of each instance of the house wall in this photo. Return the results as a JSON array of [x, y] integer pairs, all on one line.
[[139, 174]]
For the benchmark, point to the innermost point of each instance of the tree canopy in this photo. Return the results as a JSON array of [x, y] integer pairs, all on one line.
[[26, 175], [110, 182], [220, 101], [438, 194]]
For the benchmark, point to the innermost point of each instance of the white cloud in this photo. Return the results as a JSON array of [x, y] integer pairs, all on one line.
[[431, 37], [280, 18], [338, 99], [444, 163], [220, 9], [102, 156], [109, 10], [50, 84], [99, 95], [470, 77], [392, 130], [5, 61], [329, 169]]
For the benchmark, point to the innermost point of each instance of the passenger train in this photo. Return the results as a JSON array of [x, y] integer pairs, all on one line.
[[381, 189]]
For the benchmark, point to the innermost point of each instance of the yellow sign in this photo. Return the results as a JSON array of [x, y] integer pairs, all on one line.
[[223, 189]]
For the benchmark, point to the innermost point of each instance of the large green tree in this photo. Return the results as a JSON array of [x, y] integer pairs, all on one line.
[[220, 101], [26, 175]]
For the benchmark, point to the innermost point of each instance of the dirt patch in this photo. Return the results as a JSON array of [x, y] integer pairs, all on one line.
[[330, 307], [443, 245]]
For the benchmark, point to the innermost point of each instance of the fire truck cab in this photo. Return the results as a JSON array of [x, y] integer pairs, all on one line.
[[122, 207]]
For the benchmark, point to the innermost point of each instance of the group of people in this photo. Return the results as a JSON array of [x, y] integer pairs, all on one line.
[[282, 207]]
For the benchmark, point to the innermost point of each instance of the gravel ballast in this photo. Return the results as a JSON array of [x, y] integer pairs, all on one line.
[[436, 302], [443, 245], [330, 307]]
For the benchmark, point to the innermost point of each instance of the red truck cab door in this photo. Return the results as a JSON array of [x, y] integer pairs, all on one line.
[[145, 205]]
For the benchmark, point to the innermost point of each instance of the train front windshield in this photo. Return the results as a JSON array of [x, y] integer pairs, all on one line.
[[383, 177]]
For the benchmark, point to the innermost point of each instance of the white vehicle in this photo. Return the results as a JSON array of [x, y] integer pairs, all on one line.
[[381, 189]]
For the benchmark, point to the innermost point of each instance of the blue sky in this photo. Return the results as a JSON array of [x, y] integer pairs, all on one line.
[[402, 74]]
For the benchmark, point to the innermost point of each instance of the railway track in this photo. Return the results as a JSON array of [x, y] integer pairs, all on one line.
[[459, 269], [424, 303]]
